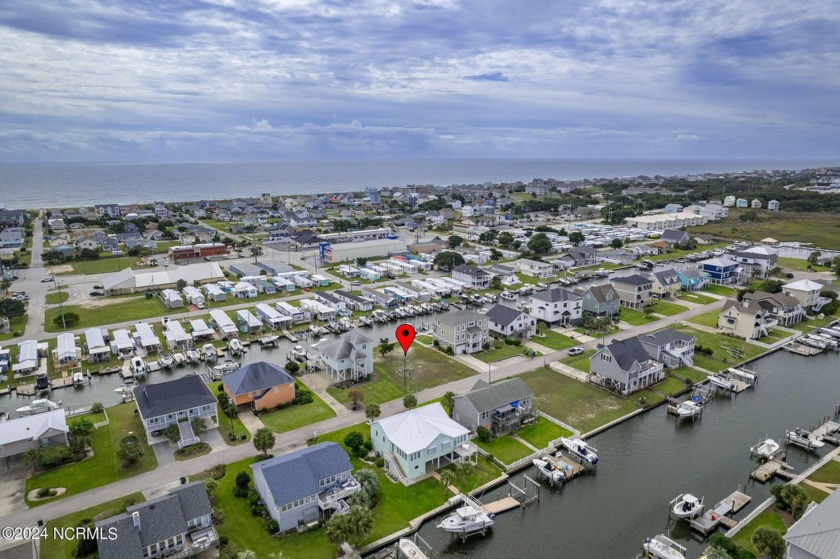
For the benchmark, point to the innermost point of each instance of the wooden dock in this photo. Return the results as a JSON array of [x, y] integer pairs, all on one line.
[[569, 467], [25, 390], [825, 431], [502, 505], [801, 349], [62, 382], [721, 513], [771, 469]]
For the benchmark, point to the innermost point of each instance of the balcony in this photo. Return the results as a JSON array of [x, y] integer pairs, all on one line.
[[333, 497], [197, 542]]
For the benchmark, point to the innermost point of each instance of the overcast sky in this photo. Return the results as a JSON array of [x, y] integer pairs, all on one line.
[[180, 80]]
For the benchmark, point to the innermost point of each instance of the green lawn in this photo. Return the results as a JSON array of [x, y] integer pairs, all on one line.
[[16, 324], [528, 280], [57, 548], [767, 518], [669, 386], [812, 323], [542, 432], [720, 290], [56, 297], [553, 340], [830, 473], [719, 343], [483, 472], [579, 362], [694, 297], [104, 467], [225, 421], [636, 318], [101, 265], [798, 264], [501, 351], [505, 448], [667, 308], [293, 417], [578, 404], [427, 368], [813, 493], [773, 338], [709, 319], [693, 375], [425, 340], [122, 309]]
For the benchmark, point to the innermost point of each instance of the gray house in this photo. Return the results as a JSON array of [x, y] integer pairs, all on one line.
[[670, 347], [304, 485], [600, 300], [175, 402], [349, 357], [817, 534], [177, 523], [508, 322], [625, 366], [31, 433], [675, 237], [634, 291], [498, 407], [463, 331]]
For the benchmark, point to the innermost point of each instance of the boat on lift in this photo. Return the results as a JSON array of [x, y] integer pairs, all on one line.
[[227, 367], [298, 353], [467, 519], [547, 469], [179, 358], [722, 382], [209, 352], [689, 408], [803, 438], [38, 406], [78, 378], [663, 547], [687, 506], [410, 550], [193, 356], [138, 367], [581, 449], [235, 346], [166, 361], [765, 449]]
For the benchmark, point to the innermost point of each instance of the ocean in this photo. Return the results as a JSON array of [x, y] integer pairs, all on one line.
[[73, 185]]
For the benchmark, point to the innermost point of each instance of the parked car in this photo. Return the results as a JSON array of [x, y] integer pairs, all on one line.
[[577, 350], [96, 294], [355, 283], [48, 278], [99, 287]]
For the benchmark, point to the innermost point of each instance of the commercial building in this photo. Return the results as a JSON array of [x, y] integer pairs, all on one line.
[[330, 253]]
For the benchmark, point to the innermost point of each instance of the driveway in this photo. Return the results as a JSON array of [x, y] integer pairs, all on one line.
[[164, 453], [214, 438], [13, 484]]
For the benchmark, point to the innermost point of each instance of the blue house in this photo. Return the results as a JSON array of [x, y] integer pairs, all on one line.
[[693, 280], [721, 270]]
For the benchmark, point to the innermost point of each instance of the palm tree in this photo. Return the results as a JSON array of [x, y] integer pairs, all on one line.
[[448, 402], [372, 411], [410, 401], [447, 478], [794, 496], [264, 440], [359, 524], [337, 529]]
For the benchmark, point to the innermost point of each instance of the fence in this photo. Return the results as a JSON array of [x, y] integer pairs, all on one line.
[[84, 411]]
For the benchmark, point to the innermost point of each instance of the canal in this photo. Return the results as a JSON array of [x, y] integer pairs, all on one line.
[[650, 459]]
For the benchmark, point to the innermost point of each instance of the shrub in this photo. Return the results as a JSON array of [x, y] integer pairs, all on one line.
[[368, 445], [218, 471], [221, 388], [241, 492], [97, 407], [436, 342], [354, 440], [52, 456], [303, 397], [484, 434], [292, 366], [257, 510], [380, 462], [360, 452], [271, 526], [253, 497], [243, 479], [129, 452]]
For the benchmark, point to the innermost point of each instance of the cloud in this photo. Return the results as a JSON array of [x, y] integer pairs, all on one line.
[[489, 77]]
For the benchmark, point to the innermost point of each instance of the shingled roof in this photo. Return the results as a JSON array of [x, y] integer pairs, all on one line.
[[256, 377]]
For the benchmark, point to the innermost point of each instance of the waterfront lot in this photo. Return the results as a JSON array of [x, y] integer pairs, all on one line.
[[581, 405], [767, 518], [667, 308], [103, 467], [718, 343], [427, 368], [636, 318], [542, 432], [798, 264], [506, 449], [709, 319], [821, 229], [293, 417], [483, 472]]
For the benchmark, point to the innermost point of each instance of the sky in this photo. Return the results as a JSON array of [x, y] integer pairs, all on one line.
[[290, 80]]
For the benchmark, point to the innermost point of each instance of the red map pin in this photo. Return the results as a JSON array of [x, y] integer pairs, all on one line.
[[405, 335]]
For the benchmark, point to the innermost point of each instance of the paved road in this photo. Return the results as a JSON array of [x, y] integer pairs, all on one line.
[[30, 282]]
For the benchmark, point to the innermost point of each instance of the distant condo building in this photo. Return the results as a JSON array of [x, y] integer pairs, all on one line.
[[660, 222]]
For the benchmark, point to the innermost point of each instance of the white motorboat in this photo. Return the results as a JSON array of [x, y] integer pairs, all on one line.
[[209, 352], [721, 382], [579, 448], [268, 340], [689, 408], [765, 449], [193, 356], [78, 378], [547, 469], [38, 406], [687, 506], [298, 353], [128, 386], [166, 361], [467, 519], [663, 547], [138, 367], [803, 438], [179, 358], [410, 550], [235, 346], [227, 367], [507, 296]]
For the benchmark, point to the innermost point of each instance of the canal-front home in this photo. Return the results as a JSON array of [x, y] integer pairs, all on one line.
[[600, 300], [464, 331], [693, 280], [31, 432], [419, 441], [175, 402], [670, 347], [745, 319], [508, 322], [634, 290], [722, 270], [806, 291], [176, 524], [263, 385], [497, 407], [625, 366], [349, 357], [302, 486], [817, 533], [783, 308]]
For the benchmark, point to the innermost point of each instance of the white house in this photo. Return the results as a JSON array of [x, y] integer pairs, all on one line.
[[508, 322], [556, 305], [806, 291]]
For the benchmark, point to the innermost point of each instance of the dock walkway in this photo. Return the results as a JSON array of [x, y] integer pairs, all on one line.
[[721, 513]]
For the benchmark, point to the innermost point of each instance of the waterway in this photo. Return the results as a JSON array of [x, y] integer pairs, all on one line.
[[650, 459]]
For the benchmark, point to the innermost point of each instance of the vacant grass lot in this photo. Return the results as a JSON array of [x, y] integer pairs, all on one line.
[[822, 229], [694, 297], [798, 264], [667, 308], [693, 375], [830, 473], [122, 309], [542, 432], [581, 405], [427, 368], [579, 362], [56, 297], [721, 290], [709, 319], [636, 318], [502, 351], [505, 448], [56, 548], [293, 417], [104, 467], [553, 340], [720, 358]]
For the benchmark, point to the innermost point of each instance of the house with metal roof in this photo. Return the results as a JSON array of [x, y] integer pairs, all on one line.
[[177, 524], [348, 357], [817, 534], [508, 322], [556, 306], [805, 290], [176, 337], [95, 346], [175, 402], [498, 407], [757, 261], [305, 485], [670, 347], [418, 441], [262, 385], [625, 366], [31, 432], [66, 352]]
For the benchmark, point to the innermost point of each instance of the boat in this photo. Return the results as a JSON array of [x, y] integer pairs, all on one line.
[[166, 361], [467, 519], [687, 506], [689, 408], [38, 406], [4, 416], [803, 438], [722, 382], [507, 296], [179, 358], [268, 340], [78, 378], [298, 353], [209, 352], [128, 386], [554, 475], [227, 367], [663, 547], [235, 346], [765, 449], [579, 448], [138, 367], [410, 550], [42, 381], [193, 356]]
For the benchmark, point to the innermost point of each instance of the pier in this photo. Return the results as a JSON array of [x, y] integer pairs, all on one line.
[[772, 468], [721, 513]]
